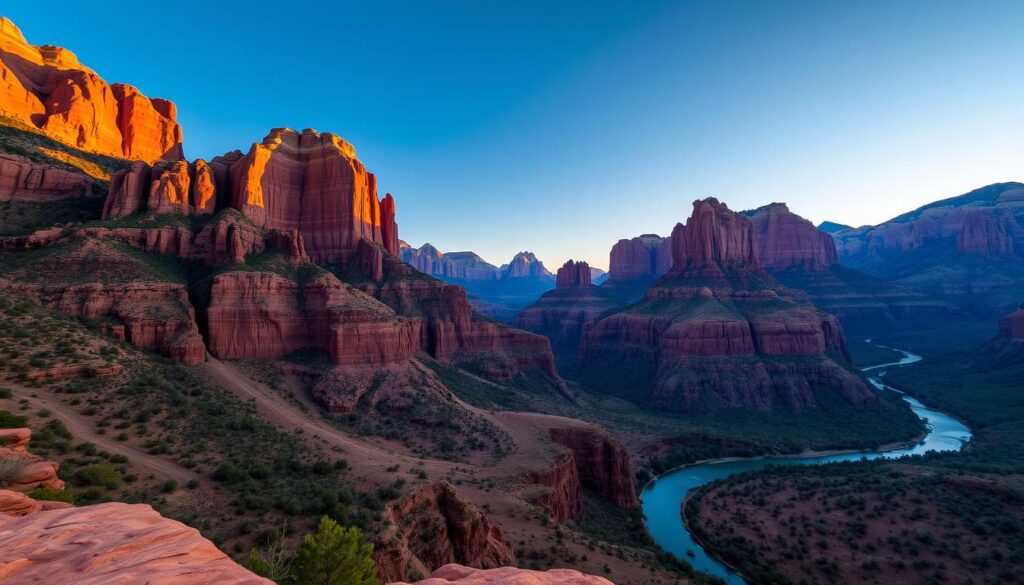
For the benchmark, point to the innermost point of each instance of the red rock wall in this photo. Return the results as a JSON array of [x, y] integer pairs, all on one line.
[[714, 236], [787, 241], [642, 258], [573, 275], [23, 180], [561, 496], [601, 463], [46, 87]]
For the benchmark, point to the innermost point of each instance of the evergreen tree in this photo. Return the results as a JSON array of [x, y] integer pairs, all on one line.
[[334, 556]]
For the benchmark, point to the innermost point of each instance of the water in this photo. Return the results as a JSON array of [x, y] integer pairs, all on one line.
[[663, 498]]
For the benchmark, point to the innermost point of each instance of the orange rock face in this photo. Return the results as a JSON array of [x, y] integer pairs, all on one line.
[[22, 180], [111, 543], [46, 87], [787, 241], [459, 575], [433, 527]]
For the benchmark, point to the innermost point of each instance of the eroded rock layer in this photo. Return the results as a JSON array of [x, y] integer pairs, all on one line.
[[718, 331], [458, 575], [47, 88], [460, 533]]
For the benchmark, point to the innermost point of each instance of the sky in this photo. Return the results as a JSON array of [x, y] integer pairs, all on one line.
[[561, 127]]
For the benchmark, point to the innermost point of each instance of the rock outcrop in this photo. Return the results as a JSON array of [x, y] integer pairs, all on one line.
[[458, 575], [643, 258], [718, 331], [560, 487], [803, 257], [47, 88], [524, 265], [562, 314], [1012, 325], [966, 250], [307, 183], [432, 527], [35, 472], [787, 241], [23, 180], [258, 315], [111, 543]]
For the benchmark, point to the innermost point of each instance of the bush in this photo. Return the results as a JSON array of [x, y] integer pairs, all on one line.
[[170, 485], [335, 556], [52, 495], [12, 421], [228, 473], [6, 393], [12, 468], [99, 474]]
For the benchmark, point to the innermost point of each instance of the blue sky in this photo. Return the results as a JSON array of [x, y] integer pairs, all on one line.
[[560, 127]]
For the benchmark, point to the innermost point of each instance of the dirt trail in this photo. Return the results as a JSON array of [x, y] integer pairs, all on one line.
[[278, 410], [83, 430]]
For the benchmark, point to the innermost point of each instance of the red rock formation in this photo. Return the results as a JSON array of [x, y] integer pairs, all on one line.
[[561, 487], [988, 234], [433, 527], [573, 275], [642, 258], [714, 329], [788, 241], [458, 575], [46, 87], [112, 543], [37, 473], [256, 315], [451, 266], [23, 180], [1012, 325], [601, 463], [18, 504]]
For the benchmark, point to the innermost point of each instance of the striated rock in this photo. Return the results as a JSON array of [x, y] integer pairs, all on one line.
[[787, 241], [433, 527], [718, 331], [255, 315], [111, 543], [561, 479], [23, 180], [642, 258], [524, 265], [1012, 325], [36, 473], [129, 191], [458, 575], [601, 463], [573, 275], [966, 250], [452, 333], [46, 87]]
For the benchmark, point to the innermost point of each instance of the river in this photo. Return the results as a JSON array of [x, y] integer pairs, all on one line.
[[662, 499]]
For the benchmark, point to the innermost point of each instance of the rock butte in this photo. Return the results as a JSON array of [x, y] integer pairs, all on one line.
[[788, 241], [45, 87], [642, 258], [718, 304], [459, 575], [468, 266]]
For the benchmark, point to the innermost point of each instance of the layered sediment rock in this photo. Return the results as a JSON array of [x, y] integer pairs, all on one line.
[[573, 275], [256, 315], [111, 543], [35, 473], [23, 180], [458, 575], [47, 88], [561, 487], [787, 241], [718, 331], [308, 183], [433, 527], [642, 258]]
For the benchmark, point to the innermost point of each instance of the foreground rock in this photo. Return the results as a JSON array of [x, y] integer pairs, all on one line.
[[33, 473], [459, 575], [460, 533], [47, 88], [111, 543], [717, 331]]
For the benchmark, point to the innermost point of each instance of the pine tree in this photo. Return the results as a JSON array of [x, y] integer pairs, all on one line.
[[334, 556]]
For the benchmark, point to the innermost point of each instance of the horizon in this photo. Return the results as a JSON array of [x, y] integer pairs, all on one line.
[[525, 108]]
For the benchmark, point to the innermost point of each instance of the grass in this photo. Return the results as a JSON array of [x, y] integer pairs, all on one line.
[[11, 468]]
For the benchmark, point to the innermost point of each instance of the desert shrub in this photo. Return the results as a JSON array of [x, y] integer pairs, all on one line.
[[99, 475], [52, 495], [9, 420], [12, 468]]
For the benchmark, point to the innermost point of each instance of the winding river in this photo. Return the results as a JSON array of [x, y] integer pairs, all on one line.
[[662, 499]]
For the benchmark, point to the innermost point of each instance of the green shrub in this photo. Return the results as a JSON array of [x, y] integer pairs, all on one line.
[[52, 495], [100, 475], [12, 468], [335, 556], [12, 421]]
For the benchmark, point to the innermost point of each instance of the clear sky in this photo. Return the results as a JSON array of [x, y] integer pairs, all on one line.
[[560, 127]]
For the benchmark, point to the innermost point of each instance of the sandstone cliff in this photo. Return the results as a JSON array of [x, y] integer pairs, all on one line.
[[459, 533], [718, 331], [23, 180], [46, 87], [642, 258], [787, 241]]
